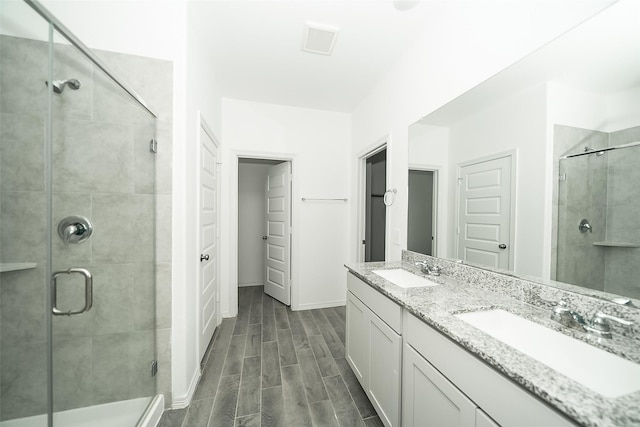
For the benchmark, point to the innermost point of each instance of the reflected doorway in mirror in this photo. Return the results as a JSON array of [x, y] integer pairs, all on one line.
[[421, 219]]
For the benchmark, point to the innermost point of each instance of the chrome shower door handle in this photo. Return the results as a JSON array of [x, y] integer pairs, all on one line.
[[88, 291]]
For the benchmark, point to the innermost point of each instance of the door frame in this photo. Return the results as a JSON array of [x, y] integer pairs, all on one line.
[[513, 156], [361, 202], [233, 283], [437, 172], [202, 124]]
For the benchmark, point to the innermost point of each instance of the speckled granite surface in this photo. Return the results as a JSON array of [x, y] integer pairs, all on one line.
[[466, 289]]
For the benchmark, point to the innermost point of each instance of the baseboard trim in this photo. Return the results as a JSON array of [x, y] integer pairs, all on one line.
[[180, 402], [326, 304], [247, 285]]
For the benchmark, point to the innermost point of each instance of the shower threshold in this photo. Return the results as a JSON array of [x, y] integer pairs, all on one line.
[[125, 413]]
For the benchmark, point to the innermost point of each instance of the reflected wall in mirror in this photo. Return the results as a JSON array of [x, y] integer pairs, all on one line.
[[583, 89]]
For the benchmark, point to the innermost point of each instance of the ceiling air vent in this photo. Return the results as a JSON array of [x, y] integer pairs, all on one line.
[[319, 38]]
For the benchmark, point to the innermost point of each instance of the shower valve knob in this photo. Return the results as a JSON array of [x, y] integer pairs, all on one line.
[[75, 229], [584, 226]]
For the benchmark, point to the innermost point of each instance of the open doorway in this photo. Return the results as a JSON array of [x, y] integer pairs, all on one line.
[[264, 226], [375, 208]]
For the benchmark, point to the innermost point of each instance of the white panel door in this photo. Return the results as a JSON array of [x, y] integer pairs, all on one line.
[[208, 311], [484, 212], [277, 282]]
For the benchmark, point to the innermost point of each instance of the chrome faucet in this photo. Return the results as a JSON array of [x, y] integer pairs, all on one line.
[[598, 325], [569, 318], [434, 271]]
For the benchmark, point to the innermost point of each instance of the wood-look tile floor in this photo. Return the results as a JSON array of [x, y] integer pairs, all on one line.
[[271, 366]]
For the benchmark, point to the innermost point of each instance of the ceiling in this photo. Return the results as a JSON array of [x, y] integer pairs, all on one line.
[[257, 44], [259, 57]]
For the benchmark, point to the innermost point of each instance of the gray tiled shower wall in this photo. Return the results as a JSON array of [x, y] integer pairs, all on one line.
[[604, 190], [102, 169]]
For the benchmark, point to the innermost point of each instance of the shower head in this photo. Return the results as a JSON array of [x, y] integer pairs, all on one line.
[[593, 150], [59, 85]]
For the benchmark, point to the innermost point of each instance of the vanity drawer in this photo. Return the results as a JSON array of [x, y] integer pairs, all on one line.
[[387, 310]]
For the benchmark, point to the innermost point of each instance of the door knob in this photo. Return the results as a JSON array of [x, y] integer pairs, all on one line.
[[502, 246], [204, 257], [264, 237]]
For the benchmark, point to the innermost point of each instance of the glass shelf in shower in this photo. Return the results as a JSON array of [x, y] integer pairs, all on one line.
[[16, 266], [616, 244]]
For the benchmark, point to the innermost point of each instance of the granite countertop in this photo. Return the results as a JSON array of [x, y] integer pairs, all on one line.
[[437, 306]]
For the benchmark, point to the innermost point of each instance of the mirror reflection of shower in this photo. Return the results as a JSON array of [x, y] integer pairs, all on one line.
[[600, 194], [59, 85]]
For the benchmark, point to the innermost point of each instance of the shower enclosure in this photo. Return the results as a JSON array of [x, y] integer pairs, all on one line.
[[598, 244], [77, 232]]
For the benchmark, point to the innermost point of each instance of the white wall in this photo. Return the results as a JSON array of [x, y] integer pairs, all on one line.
[[517, 123], [465, 44], [251, 222], [623, 110], [590, 110], [197, 96], [318, 143]]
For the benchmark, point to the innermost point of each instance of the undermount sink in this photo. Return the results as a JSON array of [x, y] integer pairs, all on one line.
[[404, 278], [596, 369]]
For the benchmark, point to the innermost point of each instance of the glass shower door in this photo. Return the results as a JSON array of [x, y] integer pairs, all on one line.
[[582, 220], [103, 247], [23, 221]]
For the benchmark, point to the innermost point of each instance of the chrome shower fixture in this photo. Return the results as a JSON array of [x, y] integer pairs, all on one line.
[[593, 150], [59, 85]]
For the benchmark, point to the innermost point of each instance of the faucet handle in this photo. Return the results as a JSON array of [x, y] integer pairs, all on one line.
[[600, 324], [601, 318], [561, 307], [424, 267]]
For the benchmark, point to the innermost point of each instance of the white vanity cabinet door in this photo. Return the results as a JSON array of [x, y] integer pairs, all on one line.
[[385, 362], [483, 420], [374, 352], [356, 338], [429, 399]]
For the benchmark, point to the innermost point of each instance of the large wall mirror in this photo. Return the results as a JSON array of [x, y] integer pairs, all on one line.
[[539, 166]]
